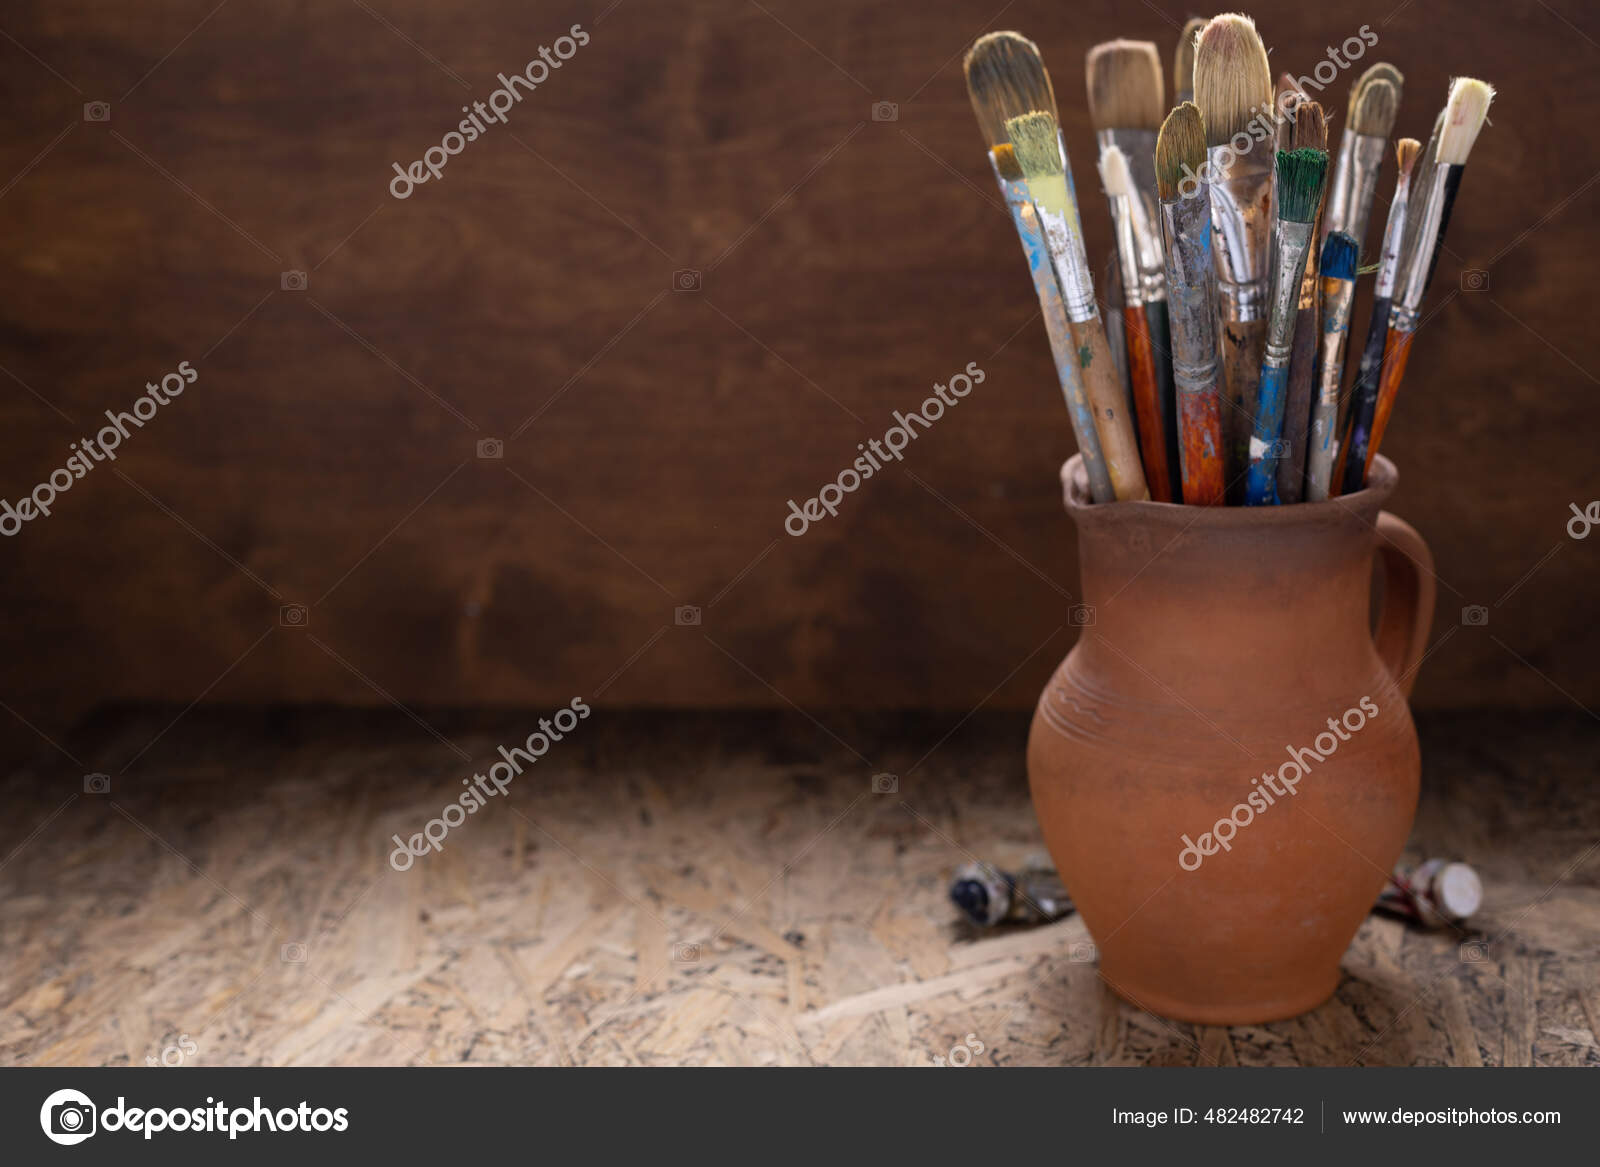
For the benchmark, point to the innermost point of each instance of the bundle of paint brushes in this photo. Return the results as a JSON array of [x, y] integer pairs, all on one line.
[[1236, 253]]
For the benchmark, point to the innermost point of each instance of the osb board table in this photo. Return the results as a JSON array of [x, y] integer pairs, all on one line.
[[665, 890]]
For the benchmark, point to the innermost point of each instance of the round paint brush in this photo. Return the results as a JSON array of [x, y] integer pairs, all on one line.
[[1464, 115], [1310, 132], [1006, 78], [1192, 294], [1037, 141], [1300, 179], [1183, 61], [1148, 405], [1233, 88], [1364, 395], [1338, 294], [1374, 103]]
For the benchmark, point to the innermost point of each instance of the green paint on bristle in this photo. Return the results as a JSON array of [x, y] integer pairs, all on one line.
[[1033, 136], [1300, 176]]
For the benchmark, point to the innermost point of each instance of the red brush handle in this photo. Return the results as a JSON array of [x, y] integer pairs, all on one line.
[[1396, 352], [1147, 401]]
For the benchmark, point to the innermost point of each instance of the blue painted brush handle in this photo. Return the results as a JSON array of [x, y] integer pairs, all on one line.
[[1261, 484]]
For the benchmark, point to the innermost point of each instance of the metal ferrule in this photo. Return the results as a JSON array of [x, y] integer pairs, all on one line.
[[1355, 181], [1337, 298], [1140, 148], [1241, 193], [1065, 241], [1192, 292], [1403, 319], [1127, 249], [1393, 236], [1290, 244], [1420, 243]]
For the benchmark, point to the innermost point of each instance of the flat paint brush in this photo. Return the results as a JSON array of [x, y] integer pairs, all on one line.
[[1310, 132], [1464, 115], [1192, 294], [1037, 140], [1357, 429], [1183, 62], [1005, 78], [1125, 107], [1233, 88], [1374, 102], [1300, 179], [1338, 290], [1147, 402]]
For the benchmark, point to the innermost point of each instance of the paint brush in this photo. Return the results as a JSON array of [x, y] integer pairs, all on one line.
[[1310, 132], [1338, 266], [1192, 294], [1037, 141], [1464, 115], [1233, 88], [1357, 427], [1300, 179], [1148, 404], [1126, 103], [1374, 102], [1183, 62], [1005, 78]]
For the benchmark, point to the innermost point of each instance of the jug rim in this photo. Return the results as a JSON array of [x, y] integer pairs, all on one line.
[[1381, 482]]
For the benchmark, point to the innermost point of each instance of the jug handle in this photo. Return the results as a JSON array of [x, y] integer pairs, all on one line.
[[1409, 589]]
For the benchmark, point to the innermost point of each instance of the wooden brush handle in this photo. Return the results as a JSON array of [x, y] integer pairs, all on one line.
[[1147, 401], [1243, 346], [1103, 387], [1200, 424], [1297, 414], [1395, 355]]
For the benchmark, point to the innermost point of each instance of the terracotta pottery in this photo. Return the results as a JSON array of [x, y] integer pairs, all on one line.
[[1216, 645]]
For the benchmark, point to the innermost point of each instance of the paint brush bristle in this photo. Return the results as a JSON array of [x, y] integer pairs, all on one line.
[[1232, 80], [1339, 256], [1125, 86], [1310, 127], [1379, 70], [1180, 150], [1038, 148], [1464, 115], [1300, 176], [1373, 108], [1183, 59], [1405, 156], [1006, 78], [1114, 174]]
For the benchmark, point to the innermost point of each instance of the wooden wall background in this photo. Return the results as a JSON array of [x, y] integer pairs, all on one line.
[[327, 455]]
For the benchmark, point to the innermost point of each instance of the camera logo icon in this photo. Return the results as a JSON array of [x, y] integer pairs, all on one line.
[[885, 784], [686, 616], [1081, 615], [67, 1117], [293, 281], [1474, 951], [1475, 615], [1083, 952], [686, 280], [885, 111], [1473, 280], [293, 953], [1280, 449], [491, 449], [294, 615], [97, 111], [686, 954], [97, 783]]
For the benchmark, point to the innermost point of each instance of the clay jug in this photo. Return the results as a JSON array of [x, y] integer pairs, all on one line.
[[1224, 766]]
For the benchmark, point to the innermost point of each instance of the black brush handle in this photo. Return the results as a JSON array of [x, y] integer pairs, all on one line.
[[1452, 183], [1364, 404]]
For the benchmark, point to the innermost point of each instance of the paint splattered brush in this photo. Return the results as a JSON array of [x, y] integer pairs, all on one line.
[[1006, 78], [1374, 102], [1464, 115], [1338, 294], [1300, 179], [1037, 141], [1192, 294], [1183, 62], [1125, 107], [1357, 427], [1142, 357], [1310, 132], [1233, 88]]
